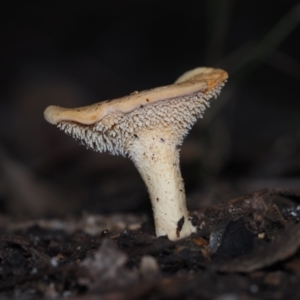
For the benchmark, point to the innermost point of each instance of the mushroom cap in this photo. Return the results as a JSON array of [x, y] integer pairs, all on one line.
[[197, 80], [112, 125]]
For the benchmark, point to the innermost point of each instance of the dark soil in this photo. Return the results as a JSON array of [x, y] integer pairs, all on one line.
[[247, 248]]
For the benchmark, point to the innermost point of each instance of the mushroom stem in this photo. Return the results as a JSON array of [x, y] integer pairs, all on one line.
[[155, 153]]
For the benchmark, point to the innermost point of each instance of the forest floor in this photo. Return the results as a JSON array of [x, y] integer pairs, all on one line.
[[247, 248]]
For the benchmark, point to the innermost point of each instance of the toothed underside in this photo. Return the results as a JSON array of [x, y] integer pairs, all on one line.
[[115, 132]]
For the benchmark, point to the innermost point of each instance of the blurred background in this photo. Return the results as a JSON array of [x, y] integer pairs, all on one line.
[[75, 53]]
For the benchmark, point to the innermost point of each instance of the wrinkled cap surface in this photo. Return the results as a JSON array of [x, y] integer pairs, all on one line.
[[191, 82]]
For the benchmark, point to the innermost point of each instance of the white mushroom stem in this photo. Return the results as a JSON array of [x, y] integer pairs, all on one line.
[[156, 156]]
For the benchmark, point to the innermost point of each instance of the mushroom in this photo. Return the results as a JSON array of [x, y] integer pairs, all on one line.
[[149, 128]]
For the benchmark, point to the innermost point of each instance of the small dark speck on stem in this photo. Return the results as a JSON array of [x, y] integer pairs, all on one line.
[[179, 226]]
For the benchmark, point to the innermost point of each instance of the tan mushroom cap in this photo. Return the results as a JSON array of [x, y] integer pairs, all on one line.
[[194, 81]]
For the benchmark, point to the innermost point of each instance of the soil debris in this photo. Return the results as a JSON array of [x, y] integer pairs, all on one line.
[[244, 249]]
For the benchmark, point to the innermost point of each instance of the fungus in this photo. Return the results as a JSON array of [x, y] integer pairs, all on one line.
[[149, 128]]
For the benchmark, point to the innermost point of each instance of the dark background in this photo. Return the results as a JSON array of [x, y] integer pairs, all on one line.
[[74, 53]]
